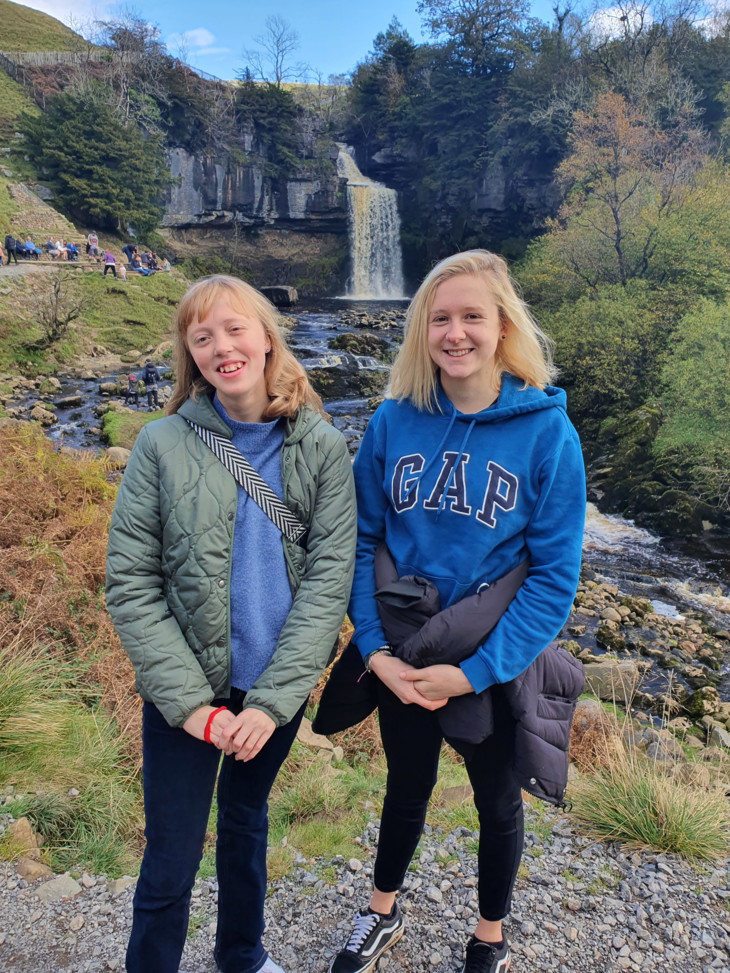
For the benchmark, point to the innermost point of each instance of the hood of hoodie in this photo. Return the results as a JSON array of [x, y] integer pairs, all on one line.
[[513, 399]]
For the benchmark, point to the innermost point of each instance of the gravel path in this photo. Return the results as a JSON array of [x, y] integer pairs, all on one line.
[[579, 906]]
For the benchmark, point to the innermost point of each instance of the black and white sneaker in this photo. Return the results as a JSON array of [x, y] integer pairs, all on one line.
[[485, 958], [372, 933]]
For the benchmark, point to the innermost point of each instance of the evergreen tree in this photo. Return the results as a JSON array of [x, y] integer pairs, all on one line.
[[102, 172]]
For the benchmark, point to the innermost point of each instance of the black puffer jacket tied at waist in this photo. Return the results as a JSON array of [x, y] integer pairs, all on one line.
[[541, 699]]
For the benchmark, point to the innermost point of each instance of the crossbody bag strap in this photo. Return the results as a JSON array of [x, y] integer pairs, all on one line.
[[256, 487]]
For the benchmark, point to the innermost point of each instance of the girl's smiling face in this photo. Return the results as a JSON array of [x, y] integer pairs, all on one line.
[[464, 327], [230, 347]]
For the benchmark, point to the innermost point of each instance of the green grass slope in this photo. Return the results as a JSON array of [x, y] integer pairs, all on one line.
[[13, 100], [23, 29]]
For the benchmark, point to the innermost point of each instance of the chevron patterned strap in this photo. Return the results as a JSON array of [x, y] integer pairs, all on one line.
[[257, 488]]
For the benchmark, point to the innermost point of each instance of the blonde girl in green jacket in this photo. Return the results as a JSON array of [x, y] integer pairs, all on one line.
[[227, 623]]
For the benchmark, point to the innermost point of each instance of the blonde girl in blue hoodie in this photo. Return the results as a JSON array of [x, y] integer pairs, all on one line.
[[470, 466]]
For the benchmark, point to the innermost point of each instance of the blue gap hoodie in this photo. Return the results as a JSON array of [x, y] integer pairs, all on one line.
[[461, 499]]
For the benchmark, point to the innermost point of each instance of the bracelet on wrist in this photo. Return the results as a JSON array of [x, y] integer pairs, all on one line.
[[209, 724], [382, 650]]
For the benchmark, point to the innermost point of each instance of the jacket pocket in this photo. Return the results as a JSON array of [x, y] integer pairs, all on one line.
[[554, 707]]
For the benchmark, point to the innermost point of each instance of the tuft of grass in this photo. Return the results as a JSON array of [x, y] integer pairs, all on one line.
[[64, 761], [632, 801]]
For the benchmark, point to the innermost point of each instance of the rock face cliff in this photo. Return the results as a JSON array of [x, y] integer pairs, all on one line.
[[278, 231]]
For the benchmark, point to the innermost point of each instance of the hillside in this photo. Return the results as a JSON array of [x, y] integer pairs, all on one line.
[[24, 29]]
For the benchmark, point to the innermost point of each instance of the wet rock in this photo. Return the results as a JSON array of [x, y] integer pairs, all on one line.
[[607, 638], [611, 614], [109, 388], [338, 382], [70, 402], [42, 416], [360, 344]]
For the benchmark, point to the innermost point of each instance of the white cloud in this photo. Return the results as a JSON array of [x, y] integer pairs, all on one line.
[[194, 43]]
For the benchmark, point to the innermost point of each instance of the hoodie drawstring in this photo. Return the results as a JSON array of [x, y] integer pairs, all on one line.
[[436, 455], [445, 492]]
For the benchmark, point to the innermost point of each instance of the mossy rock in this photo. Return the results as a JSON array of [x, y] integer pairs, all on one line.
[[607, 639], [638, 605], [360, 344], [702, 702]]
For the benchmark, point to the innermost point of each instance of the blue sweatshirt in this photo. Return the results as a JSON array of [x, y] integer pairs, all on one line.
[[461, 500]]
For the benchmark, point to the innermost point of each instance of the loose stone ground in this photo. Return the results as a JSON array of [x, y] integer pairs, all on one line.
[[579, 906]]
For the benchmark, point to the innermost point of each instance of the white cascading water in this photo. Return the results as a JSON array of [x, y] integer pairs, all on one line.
[[374, 228]]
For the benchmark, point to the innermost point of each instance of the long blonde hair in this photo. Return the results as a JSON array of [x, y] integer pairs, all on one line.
[[287, 384], [525, 351]]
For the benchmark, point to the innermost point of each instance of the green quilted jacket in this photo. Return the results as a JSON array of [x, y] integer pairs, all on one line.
[[169, 562]]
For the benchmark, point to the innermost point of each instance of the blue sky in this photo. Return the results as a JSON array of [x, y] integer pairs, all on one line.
[[334, 34]]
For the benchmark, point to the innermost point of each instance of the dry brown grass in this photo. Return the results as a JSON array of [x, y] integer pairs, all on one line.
[[54, 519], [595, 739]]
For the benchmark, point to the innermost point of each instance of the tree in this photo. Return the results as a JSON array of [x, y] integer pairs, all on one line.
[[697, 380], [608, 348], [274, 115], [624, 176], [101, 171], [270, 61], [57, 307], [482, 34]]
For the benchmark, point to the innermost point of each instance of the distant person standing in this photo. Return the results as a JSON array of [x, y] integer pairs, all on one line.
[[109, 263], [129, 251], [131, 396], [10, 247], [93, 241], [150, 378]]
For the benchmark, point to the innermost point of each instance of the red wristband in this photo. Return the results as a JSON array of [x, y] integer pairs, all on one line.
[[206, 731]]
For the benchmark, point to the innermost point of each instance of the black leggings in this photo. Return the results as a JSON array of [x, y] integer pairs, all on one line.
[[412, 742]]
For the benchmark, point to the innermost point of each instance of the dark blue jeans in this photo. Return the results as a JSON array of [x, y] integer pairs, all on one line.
[[179, 774]]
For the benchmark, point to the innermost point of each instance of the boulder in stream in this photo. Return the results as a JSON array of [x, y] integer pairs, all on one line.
[[43, 416]]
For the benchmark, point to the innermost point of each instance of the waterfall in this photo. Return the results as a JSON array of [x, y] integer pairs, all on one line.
[[374, 228]]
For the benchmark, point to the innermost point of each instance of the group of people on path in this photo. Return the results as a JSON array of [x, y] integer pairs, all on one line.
[[242, 534], [15, 247], [145, 263]]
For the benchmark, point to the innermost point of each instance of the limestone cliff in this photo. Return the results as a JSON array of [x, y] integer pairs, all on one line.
[[278, 231]]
